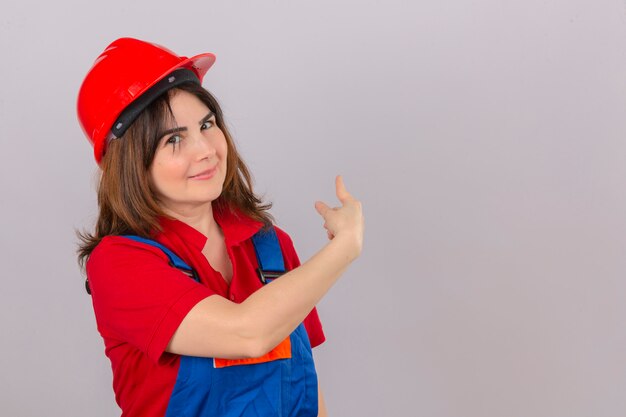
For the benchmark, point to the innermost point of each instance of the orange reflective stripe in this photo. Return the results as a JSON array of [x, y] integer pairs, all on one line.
[[282, 351]]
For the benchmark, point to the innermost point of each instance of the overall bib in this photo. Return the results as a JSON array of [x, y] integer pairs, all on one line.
[[282, 383]]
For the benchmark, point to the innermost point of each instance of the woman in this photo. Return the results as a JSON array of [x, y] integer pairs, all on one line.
[[182, 260]]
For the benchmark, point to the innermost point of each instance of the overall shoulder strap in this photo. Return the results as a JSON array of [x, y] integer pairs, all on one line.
[[175, 260], [268, 254]]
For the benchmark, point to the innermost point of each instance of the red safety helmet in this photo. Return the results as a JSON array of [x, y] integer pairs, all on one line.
[[126, 70]]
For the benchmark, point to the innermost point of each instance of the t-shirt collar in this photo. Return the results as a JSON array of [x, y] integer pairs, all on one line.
[[236, 226]]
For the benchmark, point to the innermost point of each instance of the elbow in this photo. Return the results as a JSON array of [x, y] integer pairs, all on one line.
[[257, 348], [256, 340]]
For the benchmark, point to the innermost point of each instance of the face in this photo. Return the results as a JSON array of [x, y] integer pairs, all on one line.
[[189, 165]]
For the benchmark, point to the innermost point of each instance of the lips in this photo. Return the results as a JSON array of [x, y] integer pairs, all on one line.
[[204, 175]]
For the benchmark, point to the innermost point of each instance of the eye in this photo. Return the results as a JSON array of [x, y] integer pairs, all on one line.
[[208, 124], [174, 140]]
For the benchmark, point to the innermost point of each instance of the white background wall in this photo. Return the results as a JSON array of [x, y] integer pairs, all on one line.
[[485, 138]]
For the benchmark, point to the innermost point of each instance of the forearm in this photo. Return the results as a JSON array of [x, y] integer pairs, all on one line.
[[275, 310], [321, 404]]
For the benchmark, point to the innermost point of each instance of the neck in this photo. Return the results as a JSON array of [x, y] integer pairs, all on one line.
[[199, 217]]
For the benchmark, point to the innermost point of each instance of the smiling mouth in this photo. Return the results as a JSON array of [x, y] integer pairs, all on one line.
[[205, 175]]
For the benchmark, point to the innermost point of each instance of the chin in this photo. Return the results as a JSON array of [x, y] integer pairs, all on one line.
[[210, 197]]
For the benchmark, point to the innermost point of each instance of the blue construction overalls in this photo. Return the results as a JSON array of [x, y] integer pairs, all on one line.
[[283, 385]]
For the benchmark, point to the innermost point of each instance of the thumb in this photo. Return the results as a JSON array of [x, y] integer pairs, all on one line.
[[342, 194]]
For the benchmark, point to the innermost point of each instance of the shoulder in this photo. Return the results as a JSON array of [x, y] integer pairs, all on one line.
[[289, 251], [119, 249], [122, 270], [283, 237], [119, 260]]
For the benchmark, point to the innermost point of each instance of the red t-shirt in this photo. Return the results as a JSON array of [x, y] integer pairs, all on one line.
[[140, 300]]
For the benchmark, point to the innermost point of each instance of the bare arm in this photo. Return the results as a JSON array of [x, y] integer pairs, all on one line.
[[321, 407], [216, 327]]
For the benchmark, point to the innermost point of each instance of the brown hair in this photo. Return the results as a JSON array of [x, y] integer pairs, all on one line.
[[126, 200]]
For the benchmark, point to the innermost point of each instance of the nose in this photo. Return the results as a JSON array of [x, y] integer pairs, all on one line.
[[203, 147]]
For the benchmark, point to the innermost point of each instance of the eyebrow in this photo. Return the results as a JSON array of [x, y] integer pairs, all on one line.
[[182, 129]]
